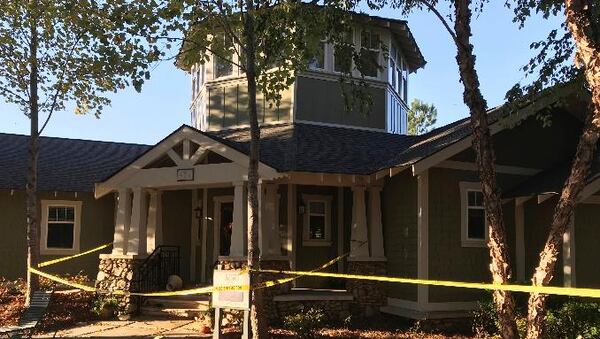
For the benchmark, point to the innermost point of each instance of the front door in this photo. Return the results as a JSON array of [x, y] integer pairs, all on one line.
[[225, 227]]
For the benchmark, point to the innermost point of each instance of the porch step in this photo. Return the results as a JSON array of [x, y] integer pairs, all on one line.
[[186, 307]]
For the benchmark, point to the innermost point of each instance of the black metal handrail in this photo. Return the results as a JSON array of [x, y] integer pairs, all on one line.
[[154, 271]]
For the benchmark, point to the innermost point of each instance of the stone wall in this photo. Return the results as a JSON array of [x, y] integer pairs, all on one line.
[[368, 295], [116, 273]]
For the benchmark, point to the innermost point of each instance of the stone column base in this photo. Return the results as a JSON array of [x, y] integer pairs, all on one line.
[[270, 292], [117, 272], [368, 295]]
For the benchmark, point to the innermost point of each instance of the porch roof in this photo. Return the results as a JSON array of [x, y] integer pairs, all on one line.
[[305, 147]]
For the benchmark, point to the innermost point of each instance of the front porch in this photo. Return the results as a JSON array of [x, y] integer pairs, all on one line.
[[190, 191]]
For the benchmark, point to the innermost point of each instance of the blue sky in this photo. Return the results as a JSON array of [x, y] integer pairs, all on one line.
[[147, 117]]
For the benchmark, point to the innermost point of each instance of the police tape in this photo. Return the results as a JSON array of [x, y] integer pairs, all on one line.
[[551, 290], [56, 261]]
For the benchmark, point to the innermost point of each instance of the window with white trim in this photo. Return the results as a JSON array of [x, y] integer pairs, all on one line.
[[318, 60], [473, 218], [223, 63], [370, 48], [61, 224], [317, 220], [343, 53]]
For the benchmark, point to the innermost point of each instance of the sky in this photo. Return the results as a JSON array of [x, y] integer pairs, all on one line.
[[163, 105]]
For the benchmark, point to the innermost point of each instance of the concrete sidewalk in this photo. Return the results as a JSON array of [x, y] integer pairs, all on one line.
[[135, 328]]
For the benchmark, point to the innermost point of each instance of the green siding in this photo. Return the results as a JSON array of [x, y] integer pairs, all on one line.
[[311, 257], [322, 101], [448, 260], [176, 223], [538, 146], [227, 106], [587, 251], [538, 218], [97, 226], [399, 212]]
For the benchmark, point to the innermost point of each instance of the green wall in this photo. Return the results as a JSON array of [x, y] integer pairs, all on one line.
[[97, 227], [587, 251], [399, 212], [448, 260], [228, 106], [322, 101], [176, 223], [311, 257]]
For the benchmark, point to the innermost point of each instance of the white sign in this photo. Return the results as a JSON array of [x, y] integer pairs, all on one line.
[[185, 174], [238, 296]]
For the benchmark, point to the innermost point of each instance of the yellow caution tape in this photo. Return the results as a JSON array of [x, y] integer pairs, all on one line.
[[56, 261], [62, 281], [565, 291]]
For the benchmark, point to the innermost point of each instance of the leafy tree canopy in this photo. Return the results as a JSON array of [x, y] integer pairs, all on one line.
[[86, 49]]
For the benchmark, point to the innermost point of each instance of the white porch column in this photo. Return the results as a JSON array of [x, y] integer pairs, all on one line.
[[136, 243], [261, 239], [237, 232], [359, 237], [375, 226], [271, 241], [122, 221], [154, 226]]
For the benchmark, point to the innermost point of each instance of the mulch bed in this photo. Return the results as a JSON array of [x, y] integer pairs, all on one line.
[[66, 308]]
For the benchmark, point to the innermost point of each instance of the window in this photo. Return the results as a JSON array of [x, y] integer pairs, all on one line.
[[342, 54], [318, 60], [474, 228], [369, 53], [317, 220], [223, 66], [60, 227]]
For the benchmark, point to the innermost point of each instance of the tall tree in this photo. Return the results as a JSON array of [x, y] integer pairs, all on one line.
[[421, 116], [59, 52], [580, 35]]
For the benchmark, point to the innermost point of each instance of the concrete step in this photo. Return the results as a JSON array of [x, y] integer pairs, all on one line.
[[171, 313], [179, 303]]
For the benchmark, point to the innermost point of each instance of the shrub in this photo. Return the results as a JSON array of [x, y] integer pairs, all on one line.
[[103, 307], [485, 319], [575, 319], [305, 323]]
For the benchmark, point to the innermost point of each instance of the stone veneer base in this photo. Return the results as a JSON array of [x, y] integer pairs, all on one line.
[[117, 272]]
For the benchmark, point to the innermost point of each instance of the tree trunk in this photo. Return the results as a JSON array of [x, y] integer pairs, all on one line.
[[257, 316], [588, 55], [33, 245], [482, 144]]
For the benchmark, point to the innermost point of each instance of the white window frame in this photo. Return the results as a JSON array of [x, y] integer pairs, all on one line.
[[353, 33], [45, 205], [306, 241], [369, 48], [465, 188]]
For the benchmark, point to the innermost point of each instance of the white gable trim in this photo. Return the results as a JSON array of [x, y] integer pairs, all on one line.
[[135, 175]]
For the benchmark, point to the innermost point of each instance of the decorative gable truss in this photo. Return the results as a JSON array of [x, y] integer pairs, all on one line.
[[187, 157]]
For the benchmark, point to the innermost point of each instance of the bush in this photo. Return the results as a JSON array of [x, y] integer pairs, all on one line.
[[105, 308], [485, 319], [305, 323], [575, 319]]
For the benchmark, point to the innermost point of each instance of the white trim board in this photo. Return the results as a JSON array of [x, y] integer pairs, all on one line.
[[504, 169]]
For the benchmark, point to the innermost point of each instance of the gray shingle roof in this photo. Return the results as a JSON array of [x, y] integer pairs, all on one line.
[[70, 165], [316, 148]]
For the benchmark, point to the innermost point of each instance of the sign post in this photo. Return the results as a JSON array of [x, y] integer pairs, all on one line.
[[232, 291]]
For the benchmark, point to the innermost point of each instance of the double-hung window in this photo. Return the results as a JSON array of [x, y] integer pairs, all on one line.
[[473, 218], [343, 54], [370, 48], [318, 59], [223, 61], [317, 220], [61, 225]]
